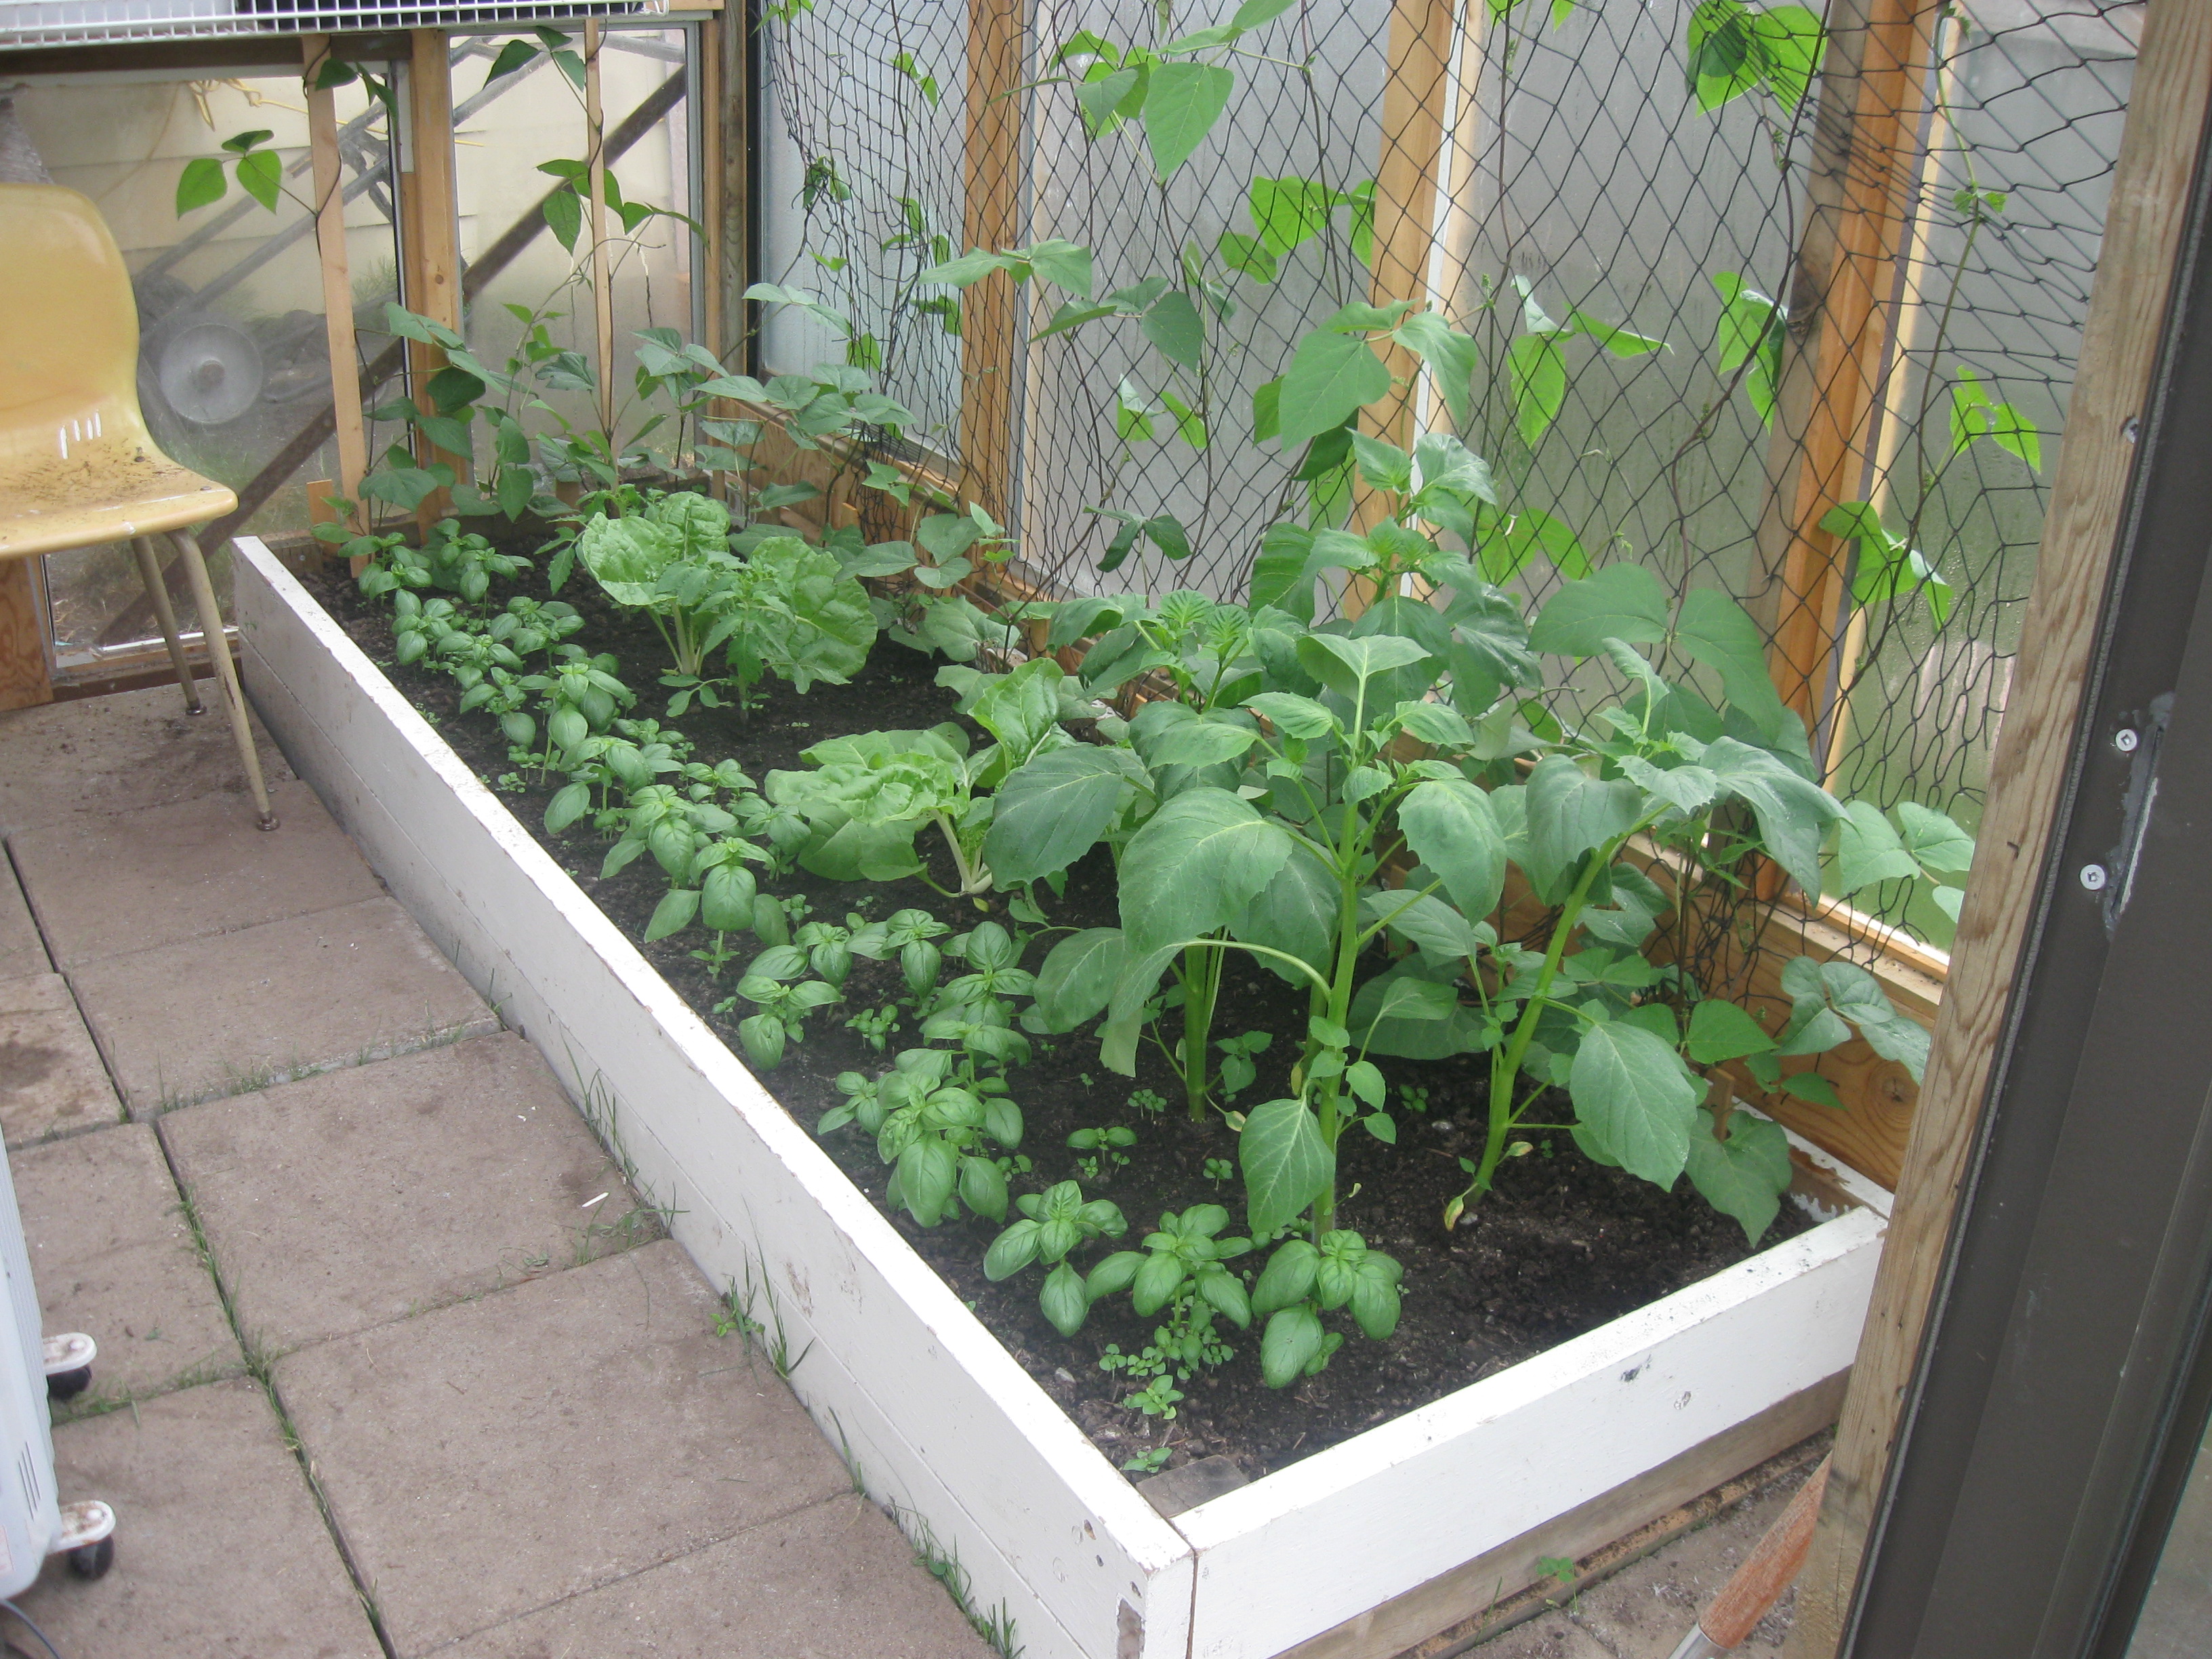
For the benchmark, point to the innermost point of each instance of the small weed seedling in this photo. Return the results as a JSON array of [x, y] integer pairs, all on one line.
[[1413, 1097], [1236, 1072], [1157, 1398], [1151, 1461], [1218, 1169], [1102, 1150], [1143, 1100]]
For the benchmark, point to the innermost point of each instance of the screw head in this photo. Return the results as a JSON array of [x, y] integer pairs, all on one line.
[[2093, 878], [2127, 740]]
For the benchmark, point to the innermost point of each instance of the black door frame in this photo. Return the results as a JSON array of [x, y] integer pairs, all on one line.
[[2063, 1382]]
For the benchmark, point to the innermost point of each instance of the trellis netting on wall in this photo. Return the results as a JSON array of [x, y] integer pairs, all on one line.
[[1779, 302]]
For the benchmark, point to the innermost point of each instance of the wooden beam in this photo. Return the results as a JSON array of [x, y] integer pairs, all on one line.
[[991, 168], [602, 287], [712, 126], [1872, 89], [2143, 230], [1916, 314], [431, 231], [1416, 103], [337, 280], [26, 680]]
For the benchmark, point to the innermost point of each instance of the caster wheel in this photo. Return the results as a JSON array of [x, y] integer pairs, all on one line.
[[67, 1385], [93, 1560]]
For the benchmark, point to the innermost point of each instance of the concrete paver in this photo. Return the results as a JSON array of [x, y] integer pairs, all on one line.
[[112, 1255], [361, 1196], [136, 880], [489, 1459], [88, 757], [220, 1552], [22, 952], [833, 1582], [51, 1077], [223, 1014]]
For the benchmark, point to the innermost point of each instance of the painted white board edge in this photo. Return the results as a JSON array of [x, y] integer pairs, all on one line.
[[938, 1416], [1413, 1499], [1526, 1445]]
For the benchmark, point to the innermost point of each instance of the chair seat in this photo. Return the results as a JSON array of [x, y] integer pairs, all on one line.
[[106, 490]]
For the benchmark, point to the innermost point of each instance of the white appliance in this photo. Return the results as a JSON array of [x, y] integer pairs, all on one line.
[[33, 1523]]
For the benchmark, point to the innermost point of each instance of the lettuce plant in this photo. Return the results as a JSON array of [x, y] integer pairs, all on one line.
[[869, 795], [785, 608]]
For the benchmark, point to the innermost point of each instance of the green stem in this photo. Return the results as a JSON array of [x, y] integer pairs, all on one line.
[[1505, 1063], [1201, 988]]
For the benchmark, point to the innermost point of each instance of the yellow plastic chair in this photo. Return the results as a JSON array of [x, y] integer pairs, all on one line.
[[77, 466]]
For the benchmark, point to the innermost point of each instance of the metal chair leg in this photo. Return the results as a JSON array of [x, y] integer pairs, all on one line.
[[157, 595], [225, 671]]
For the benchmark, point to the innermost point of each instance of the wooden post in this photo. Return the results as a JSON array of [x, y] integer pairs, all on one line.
[[712, 126], [1462, 215], [1874, 86], [25, 679], [337, 281], [2143, 230], [991, 176], [603, 292], [431, 231], [1415, 106], [1915, 314]]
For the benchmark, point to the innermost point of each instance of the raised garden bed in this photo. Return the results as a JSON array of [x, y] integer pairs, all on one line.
[[1421, 1519]]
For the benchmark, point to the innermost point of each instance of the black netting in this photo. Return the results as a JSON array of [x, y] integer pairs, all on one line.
[[1546, 166]]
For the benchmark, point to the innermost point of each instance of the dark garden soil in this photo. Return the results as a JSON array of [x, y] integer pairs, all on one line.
[[1561, 1246]]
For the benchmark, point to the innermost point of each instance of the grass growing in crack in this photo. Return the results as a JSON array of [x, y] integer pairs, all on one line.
[[98, 1403], [260, 1365], [603, 1111], [765, 1337], [847, 1456], [994, 1624], [639, 1224], [259, 1075]]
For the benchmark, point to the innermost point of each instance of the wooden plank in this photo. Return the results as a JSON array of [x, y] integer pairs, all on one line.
[[603, 286], [937, 1415], [1874, 84], [1415, 106], [430, 232], [1534, 1442], [26, 680], [1915, 315], [337, 280], [991, 168], [1462, 1606], [732, 115], [904, 1373], [712, 126], [2143, 229]]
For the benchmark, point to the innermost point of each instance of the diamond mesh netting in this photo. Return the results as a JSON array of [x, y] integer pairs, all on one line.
[[1545, 172]]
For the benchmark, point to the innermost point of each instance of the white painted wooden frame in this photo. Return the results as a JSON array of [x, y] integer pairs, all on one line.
[[934, 1414]]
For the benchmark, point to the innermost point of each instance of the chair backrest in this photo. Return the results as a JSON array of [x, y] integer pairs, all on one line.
[[69, 322]]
